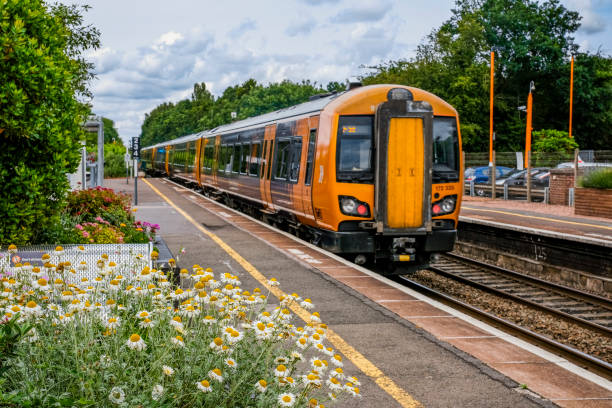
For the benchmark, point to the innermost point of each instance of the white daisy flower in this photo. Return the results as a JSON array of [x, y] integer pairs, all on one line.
[[113, 322], [136, 343], [286, 400], [273, 282], [146, 324], [315, 317], [230, 362], [204, 386], [307, 304], [168, 371], [302, 342], [311, 379], [157, 392], [32, 309], [297, 356], [216, 375], [334, 384], [337, 360], [281, 371], [116, 396], [261, 385], [318, 365], [178, 341]]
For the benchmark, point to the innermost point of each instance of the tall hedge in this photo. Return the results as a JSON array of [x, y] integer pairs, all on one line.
[[43, 80]]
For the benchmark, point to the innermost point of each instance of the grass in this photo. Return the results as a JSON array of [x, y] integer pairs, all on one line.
[[597, 179]]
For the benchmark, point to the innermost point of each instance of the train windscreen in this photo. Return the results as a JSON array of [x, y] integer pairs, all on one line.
[[354, 149], [445, 150]]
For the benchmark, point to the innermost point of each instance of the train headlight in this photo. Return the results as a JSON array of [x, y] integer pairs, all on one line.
[[444, 206], [352, 206], [348, 205]]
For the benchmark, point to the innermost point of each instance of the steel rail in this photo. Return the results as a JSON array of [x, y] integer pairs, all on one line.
[[498, 292], [565, 290], [593, 364]]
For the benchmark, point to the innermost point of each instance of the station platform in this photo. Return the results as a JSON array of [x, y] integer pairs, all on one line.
[[554, 221], [407, 350]]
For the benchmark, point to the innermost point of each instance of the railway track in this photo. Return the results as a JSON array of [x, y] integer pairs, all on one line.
[[589, 311], [582, 308]]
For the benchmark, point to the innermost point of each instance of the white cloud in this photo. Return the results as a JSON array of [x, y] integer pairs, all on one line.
[[370, 11]]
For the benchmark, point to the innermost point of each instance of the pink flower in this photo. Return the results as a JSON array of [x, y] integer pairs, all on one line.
[[85, 234], [79, 226], [98, 218]]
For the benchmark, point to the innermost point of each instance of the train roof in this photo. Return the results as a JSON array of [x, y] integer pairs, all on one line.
[[304, 108]]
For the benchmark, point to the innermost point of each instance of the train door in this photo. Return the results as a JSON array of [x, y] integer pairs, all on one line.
[[403, 166], [266, 173], [311, 149]]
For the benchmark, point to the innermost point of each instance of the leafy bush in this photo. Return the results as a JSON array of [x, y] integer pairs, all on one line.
[[95, 202], [550, 140], [42, 75], [136, 341], [597, 179]]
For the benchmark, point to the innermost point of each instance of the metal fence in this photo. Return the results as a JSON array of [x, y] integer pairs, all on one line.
[[539, 159], [127, 257]]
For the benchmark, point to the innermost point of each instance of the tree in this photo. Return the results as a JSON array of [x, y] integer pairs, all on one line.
[[532, 41], [42, 78]]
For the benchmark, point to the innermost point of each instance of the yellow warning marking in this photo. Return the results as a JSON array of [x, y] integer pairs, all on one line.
[[539, 218], [358, 359]]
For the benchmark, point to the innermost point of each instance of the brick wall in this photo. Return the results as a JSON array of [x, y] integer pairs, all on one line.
[[561, 180], [596, 202]]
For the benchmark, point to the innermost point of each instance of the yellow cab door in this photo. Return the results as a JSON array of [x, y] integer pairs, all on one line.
[[403, 173]]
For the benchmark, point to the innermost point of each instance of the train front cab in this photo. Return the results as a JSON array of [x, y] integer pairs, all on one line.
[[396, 179]]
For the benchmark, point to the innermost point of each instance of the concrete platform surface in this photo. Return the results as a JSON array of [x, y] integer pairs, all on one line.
[[431, 354], [554, 221]]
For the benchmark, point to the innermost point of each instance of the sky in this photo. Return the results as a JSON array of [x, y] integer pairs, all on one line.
[[153, 51]]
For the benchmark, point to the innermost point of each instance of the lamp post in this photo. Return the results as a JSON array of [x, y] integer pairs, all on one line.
[[571, 102], [528, 139]]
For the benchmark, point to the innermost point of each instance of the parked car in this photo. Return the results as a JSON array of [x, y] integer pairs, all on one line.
[[480, 175], [540, 178], [568, 165]]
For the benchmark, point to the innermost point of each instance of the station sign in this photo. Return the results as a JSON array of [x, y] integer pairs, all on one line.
[[135, 148]]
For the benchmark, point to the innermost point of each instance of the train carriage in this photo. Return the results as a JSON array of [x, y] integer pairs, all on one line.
[[372, 173]]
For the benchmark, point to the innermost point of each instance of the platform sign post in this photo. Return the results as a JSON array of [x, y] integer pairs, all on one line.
[[528, 139], [135, 156]]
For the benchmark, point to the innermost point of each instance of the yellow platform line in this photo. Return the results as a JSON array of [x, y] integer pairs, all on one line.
[[358, 359], [539, 218]]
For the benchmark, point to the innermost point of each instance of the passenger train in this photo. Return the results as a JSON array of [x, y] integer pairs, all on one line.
[[373, 173]]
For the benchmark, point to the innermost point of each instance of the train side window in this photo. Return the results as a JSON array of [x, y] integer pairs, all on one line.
[[296, 157], [282, 159], [262, 159], [221, 159], [236, 159], [255, 159], [312, 141], [244, 159]]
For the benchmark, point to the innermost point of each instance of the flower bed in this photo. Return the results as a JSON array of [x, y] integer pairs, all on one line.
[[128, 338], [100, 216]]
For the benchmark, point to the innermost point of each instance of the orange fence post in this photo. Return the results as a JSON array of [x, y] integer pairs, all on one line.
[[571, 95]]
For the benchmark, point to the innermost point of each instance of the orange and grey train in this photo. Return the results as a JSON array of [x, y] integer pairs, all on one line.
[[373, 173]]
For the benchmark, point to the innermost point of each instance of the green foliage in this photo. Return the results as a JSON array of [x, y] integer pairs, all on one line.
[[11, 334], [550, 140], [42, 76], [169, 121], [91, 203], [532, 42], [114, 160], [601, 178]]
